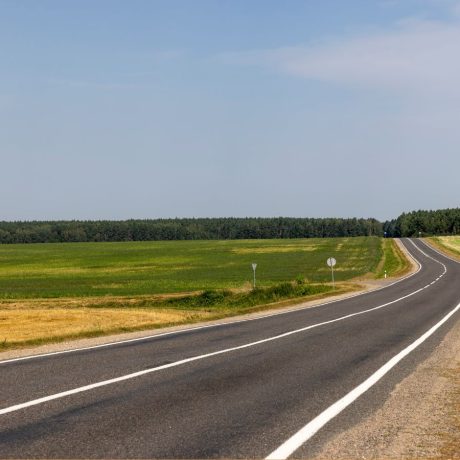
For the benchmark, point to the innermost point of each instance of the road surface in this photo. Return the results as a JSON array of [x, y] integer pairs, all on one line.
[[278, 386]]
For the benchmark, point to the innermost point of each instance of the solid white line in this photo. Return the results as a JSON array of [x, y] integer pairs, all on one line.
[[293, 443], [207, 326], [432, 258], [305, 433], [195, 358]]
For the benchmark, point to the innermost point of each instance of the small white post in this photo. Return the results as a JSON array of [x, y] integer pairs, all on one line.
[[254, 266]]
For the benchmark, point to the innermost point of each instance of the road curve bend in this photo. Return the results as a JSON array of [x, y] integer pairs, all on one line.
[[277, 387]]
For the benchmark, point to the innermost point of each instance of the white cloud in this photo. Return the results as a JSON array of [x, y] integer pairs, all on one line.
[[414, 56]]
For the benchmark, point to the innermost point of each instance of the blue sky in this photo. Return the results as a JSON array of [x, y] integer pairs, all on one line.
[[145, 109]]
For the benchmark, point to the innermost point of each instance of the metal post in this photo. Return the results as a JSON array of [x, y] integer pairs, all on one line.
[[331, 262]]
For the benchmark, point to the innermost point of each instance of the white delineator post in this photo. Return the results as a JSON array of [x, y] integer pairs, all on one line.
[[254, 266]]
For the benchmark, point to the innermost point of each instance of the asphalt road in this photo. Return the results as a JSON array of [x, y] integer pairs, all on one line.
[[235, 390]]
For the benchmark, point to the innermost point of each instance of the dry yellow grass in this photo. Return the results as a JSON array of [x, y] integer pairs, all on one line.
[[87, 302], [26, 326], [448, 244], [451, 242], [26, 322]]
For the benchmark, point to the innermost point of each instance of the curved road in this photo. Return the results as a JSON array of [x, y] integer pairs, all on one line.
[[278, 386]]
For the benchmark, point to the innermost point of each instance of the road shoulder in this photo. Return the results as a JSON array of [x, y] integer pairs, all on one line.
[[420, 419]]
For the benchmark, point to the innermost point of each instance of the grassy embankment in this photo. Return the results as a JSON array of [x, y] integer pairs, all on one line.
[[51, 292], [393, 261], [448, 244]]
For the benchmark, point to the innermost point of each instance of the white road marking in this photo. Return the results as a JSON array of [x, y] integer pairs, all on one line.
[[429, 257], [311, 428], [304, 434], [207, 326], [63, 394]]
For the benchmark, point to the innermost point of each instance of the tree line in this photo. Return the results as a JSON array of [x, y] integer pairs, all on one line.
[[424, 223], [440, 222], [185, 229]]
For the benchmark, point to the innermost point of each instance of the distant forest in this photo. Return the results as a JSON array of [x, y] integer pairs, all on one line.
[[441, 222], [185, 229], [425, 223]]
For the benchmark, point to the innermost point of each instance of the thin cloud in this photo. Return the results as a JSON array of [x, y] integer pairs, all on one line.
[[415, 56]]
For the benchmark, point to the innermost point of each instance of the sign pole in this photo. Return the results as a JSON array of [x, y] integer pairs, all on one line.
[[331, 262]]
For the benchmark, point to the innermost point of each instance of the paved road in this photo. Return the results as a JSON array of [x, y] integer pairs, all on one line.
[[231, 391]]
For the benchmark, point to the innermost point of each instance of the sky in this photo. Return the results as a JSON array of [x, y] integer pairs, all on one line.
[[208, 108]]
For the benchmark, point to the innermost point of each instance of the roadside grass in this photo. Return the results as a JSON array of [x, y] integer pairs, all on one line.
[[56, 292], [31, 327], [448, 244], [393, 261], [224, 299], [35, 326]]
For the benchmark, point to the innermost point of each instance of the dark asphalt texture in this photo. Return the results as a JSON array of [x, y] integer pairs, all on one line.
[[240, 404]]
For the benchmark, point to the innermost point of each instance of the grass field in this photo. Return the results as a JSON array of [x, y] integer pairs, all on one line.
[[449, 244], [137, 268], [49, 292]]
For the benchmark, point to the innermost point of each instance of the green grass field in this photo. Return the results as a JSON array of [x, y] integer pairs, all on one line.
[[55, 292], [144, 268]]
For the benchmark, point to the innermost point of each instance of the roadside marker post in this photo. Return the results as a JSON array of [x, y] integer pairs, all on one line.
[[331, 262], [254, 266]]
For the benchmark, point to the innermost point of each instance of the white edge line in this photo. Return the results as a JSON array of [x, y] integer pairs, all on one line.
[[188, 360], [63, 394], [305, 433], [432, 258], [207, 326]]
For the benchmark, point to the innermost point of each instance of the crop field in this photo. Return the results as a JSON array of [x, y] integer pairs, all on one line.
[[50, 292], [138, 268]]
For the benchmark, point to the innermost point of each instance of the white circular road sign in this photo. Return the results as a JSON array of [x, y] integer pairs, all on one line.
[[331, 262]]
